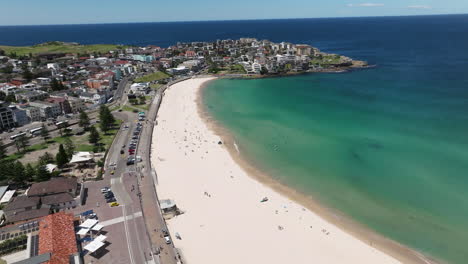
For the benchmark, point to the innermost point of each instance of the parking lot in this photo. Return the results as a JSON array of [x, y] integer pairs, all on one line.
[[123, 243]]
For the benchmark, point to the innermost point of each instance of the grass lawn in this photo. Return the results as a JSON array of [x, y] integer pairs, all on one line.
[[326, 59], [155, 86], [129, 109], [237, 69], [135, 108], [59, 48], [152, 77]]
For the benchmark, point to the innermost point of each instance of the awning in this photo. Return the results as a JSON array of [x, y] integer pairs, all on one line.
[[100, 238], [81, 157], [7, 196], [83, 231], [89, 223], [93, 246], [97, 227]]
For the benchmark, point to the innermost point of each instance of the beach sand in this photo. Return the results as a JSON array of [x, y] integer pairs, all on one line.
[[224, 220]]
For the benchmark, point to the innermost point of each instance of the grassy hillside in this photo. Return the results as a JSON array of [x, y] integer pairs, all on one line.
[[59, 47], [152, 77]]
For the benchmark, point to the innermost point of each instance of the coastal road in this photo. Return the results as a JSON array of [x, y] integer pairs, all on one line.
[[124, 184], [148, 180], [135, 191]]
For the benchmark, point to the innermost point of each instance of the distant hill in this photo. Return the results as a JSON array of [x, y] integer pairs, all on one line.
[[60, 47]]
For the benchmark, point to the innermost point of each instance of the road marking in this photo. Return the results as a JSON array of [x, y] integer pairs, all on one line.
[[127, 234], [120, 219]]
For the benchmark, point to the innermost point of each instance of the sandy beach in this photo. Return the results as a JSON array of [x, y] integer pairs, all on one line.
[[224, 220]]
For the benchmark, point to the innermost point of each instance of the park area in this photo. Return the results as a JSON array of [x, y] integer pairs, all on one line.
[[59, 47], [152, 77]]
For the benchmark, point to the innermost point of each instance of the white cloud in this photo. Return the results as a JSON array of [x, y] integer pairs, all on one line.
[[366, 5], [419, 7]]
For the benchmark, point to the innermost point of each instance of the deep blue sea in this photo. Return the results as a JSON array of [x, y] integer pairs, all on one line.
[[387, 146]]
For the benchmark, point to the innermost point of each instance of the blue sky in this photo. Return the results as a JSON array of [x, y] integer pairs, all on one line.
[[40, 12]]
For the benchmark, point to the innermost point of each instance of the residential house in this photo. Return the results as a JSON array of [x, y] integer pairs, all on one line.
[[24, 208], [57, 239], [19, 115], [47, 110], [30, 96], [33, 113], [76, 104], [303, 49], [7, 119], [62, 102]]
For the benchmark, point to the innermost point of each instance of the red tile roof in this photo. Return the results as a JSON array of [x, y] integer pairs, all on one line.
[[57, 236]]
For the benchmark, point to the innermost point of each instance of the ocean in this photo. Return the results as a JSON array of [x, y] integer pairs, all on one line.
[[387, 146]]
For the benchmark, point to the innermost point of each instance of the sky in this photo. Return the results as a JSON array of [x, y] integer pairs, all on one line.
[[44, 12]]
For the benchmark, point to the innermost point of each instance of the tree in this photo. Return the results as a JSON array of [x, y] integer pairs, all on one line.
[[44, 132], [54, 85], [46, 158], [69, 148], [27, 73], [3, 151], [84, 120], [29, 172], [142, 99], [10, 98], [94, 136], [61, 158], [106, 118], [22, 142], [60, 128], [18, 175], [42, 174]]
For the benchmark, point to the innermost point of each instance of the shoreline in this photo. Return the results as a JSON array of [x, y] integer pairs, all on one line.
[[374, 242], [357, 230], [346, 69]]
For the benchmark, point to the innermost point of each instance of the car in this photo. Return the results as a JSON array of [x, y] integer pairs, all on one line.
[[126, 126], [167, 239], [113, 204], [109, 195], [120, 110], [93, 216], [110, 200], [112, 172], [135, 137], [122, 151], [130, 161], [105, 189], [123, 146]]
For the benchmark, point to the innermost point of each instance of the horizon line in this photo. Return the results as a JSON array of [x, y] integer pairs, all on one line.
[[227, 20]]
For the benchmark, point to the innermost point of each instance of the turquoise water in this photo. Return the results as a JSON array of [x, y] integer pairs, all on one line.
[[388, 155]]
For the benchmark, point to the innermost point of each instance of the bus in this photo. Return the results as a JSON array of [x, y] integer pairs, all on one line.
[[34, 131], [17, 136], [61, 123]]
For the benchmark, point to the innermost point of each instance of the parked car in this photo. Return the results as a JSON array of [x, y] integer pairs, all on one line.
[[130, 161], [122, 151], [113, 204], [105, 189], [167, 239], [110, 200]]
